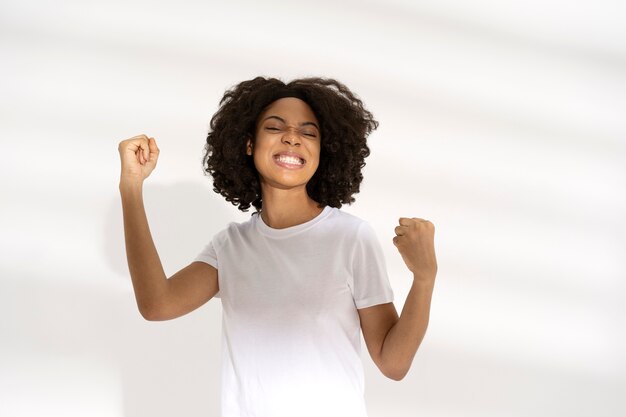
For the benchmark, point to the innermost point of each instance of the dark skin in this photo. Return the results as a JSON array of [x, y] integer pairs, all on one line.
[[286, 154], [284, 128]]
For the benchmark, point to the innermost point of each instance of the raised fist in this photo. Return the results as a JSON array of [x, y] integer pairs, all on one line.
[[415, 240], [139, 156]]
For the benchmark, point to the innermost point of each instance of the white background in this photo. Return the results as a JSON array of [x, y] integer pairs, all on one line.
[[504, 123]]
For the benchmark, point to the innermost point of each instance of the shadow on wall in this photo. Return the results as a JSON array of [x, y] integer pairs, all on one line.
[[89, 348], [183, 217], [176, 371], [82, 342]]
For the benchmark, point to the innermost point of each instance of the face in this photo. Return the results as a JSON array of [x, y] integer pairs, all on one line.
[[286, 150]]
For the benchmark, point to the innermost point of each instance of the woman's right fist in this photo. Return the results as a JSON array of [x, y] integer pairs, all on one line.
[[139, 156]]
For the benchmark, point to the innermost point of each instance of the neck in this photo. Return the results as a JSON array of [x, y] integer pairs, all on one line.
[[287, 208]]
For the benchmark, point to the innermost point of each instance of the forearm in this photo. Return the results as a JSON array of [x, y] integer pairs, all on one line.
[[405, 337], [148, 278]]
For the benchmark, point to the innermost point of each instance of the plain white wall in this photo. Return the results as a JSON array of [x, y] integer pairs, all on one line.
[[502, 122]]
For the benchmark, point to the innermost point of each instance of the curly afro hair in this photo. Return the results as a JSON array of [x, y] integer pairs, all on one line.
[[344, 127]]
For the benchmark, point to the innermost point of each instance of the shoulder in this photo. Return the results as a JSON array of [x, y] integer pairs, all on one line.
[[233, 231], [351, 224], [338, 226], [340, 217]]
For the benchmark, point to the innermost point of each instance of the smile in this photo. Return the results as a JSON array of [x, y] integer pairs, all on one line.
[[289, 160]]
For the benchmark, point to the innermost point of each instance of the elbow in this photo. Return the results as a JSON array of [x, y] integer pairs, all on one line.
[[153, 306], [150, 312], [396, 375]]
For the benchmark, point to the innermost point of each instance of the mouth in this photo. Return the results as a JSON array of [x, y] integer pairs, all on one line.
[[289, 160]]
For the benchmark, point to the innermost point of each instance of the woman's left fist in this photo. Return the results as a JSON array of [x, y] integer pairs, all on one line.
[[415, 240]]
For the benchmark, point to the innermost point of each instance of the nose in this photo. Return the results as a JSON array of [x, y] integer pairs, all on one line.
[[291, 138]]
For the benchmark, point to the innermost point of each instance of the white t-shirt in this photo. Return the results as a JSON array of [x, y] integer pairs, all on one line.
[[291, 335]]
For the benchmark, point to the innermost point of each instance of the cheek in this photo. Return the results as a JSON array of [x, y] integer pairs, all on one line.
[[315, 162], [316, 152], [259, 149], [259, 162]]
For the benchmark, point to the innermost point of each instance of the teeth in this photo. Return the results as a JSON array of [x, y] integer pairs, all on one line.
[[290, 160]]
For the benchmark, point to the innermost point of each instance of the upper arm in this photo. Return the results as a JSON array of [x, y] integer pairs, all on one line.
[[376, 321], [187, 290]]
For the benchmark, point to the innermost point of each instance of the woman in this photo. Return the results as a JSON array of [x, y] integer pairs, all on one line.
[[301, 279]]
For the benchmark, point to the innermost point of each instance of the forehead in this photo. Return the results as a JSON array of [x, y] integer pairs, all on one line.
[[291, 109]]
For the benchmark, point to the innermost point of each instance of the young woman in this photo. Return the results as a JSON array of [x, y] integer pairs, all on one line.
[[301, 279]]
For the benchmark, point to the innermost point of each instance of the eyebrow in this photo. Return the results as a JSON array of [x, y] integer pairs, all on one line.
[[283, 120]]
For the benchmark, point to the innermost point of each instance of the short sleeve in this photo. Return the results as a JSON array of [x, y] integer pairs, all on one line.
[[209, 256], [369, 281]]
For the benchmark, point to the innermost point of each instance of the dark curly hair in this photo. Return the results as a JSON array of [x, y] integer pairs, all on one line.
[[344, 126]]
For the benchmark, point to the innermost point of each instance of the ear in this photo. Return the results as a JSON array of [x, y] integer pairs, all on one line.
[[249, 147]]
